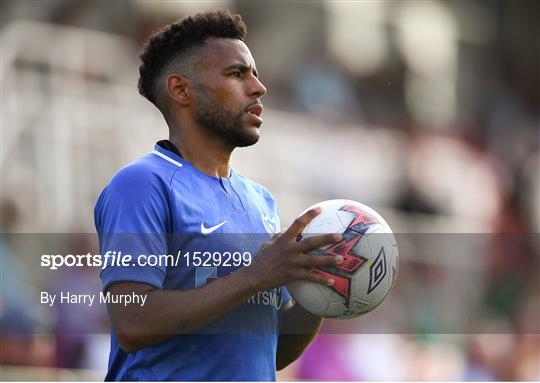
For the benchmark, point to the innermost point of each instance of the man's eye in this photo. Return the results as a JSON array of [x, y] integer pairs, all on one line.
[[236, 74]]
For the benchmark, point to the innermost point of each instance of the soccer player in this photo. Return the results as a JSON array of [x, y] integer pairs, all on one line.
[[205, 318]]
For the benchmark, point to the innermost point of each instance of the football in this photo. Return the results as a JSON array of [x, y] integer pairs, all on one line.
[[370, 265]]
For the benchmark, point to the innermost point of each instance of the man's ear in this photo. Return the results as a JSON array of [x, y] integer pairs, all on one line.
[[178, 89]]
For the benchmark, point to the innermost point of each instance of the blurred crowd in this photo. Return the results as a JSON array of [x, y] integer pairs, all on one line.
[[428, 111]]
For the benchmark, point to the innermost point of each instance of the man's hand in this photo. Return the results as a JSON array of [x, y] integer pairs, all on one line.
[[283, 259]]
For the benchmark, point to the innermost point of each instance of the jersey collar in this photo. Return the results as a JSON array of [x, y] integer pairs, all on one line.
[[166, 150], [168, 155]]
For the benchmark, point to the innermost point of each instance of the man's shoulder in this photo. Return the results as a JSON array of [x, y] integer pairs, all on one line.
[[141, 186], [147, 168]]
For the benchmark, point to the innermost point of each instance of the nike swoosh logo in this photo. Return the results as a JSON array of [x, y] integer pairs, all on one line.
[[208, 230]]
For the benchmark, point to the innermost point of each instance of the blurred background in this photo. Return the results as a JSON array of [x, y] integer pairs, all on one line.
[[428, 111]]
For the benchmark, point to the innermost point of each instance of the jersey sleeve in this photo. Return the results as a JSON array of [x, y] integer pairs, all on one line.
[[132, 220]]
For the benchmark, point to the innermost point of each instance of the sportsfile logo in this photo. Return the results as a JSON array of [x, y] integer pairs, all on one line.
[[119, 259]]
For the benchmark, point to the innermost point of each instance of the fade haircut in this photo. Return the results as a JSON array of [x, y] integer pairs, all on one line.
[[176, 42]]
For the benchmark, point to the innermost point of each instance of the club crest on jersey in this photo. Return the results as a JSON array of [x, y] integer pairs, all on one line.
[[270, 223]]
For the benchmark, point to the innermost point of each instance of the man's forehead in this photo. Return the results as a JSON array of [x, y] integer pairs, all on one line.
[[221, 52]]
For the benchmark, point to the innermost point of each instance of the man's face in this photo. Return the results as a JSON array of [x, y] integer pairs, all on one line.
[[228, 92]]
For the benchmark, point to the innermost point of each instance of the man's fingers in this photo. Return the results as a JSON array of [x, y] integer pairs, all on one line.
[[299, 223], [318, 241], [311, 260], [276, 236], [317, 278]]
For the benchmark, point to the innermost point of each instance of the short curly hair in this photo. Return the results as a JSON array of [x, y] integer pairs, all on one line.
[[177, 40]]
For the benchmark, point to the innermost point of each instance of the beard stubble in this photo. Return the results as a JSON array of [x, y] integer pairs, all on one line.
[[213, 117]]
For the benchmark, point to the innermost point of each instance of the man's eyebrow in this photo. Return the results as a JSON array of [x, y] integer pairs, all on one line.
[[242, 68]]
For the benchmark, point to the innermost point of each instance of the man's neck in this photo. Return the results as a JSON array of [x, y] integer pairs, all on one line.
[[208, 154]]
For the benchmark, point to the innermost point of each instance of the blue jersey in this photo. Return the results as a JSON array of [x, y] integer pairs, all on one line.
[[207, 227]]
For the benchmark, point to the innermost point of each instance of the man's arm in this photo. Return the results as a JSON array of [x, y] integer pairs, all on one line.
[[167, 313], [298, 328]]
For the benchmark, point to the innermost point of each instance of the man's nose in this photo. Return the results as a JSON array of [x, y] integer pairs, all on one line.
[[256, 87]]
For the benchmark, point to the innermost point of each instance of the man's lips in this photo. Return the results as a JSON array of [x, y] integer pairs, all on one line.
[[255, 109]]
